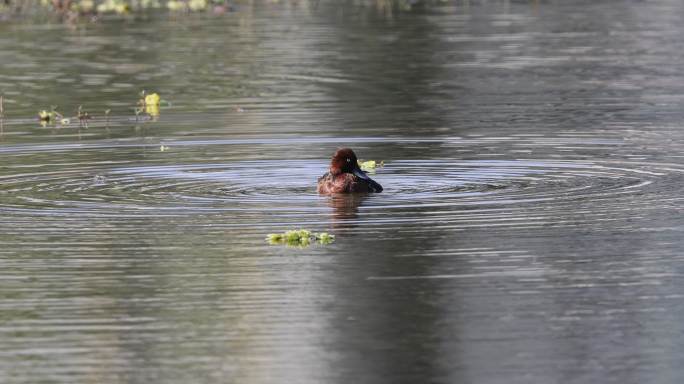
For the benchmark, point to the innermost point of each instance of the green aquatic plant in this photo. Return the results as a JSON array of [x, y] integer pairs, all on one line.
[[152, 110], [52, 117], [187, 5], [197, 5], [370, 165], [149, 103], [299, 238], [114, 6], [152, 99], [45, 116], [71, 10], [175, 5], [146, 4], [83, 6], [49, 117], [325, 238]]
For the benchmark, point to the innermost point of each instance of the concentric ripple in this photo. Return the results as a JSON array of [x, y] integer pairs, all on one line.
[[442, 191]]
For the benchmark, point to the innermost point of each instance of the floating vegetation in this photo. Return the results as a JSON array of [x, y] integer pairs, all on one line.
[[82, 116], [152, 99], [125, 7], [149, 103], [73, 10], [152, 110], [50, 117], [370, 165], [146, 4], [114, 6], [197, 5], [83, 6], [175, 5], [191, 5], [299, 238], [53, 117], [46, 116]]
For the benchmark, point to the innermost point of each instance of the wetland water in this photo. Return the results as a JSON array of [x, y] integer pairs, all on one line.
[[530, 230]]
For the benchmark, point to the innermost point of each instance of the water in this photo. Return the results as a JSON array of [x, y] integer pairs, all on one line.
[[530, 229]]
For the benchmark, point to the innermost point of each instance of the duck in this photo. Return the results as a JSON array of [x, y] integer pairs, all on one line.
[[345, 176]]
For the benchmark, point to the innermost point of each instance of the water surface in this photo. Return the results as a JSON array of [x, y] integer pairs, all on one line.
[[529, 232]]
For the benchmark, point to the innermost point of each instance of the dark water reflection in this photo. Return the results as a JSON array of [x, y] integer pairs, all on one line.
[[530, 229]]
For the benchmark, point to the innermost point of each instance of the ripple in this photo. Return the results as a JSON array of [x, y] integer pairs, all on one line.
[[467, 192]]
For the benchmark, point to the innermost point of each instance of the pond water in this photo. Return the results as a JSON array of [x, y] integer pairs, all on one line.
[[530, 230]]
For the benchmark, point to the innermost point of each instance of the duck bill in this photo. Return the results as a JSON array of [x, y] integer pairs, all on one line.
[[375, 187]]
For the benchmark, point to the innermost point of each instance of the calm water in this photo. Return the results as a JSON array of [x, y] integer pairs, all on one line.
[[530, 230]]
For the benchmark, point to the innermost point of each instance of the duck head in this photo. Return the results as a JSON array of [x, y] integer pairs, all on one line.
[[345, 161]]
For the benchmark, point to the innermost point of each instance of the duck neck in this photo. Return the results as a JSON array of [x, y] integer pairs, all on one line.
[[334, 171]]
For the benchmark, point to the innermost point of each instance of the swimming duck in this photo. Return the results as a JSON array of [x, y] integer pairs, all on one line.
[[345, 175]]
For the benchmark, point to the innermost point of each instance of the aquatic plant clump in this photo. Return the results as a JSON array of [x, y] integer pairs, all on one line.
[[152, 99], [50, 117], [149, 103], [189, 5], [116, 6], [74, 8], [299, 238], [370, 165]]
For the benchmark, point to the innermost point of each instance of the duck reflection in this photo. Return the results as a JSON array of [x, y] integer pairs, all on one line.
[[345, 208]]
